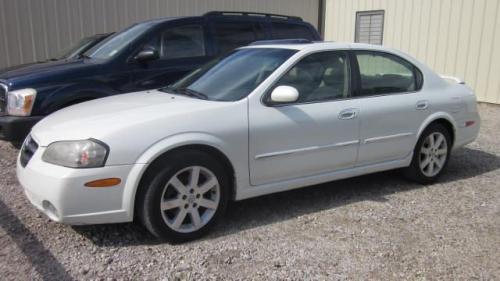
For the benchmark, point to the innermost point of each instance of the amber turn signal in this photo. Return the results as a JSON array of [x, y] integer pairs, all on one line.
[[104, 182]]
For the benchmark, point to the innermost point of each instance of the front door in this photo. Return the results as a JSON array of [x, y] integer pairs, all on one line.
[[181, 49], [316, 134]]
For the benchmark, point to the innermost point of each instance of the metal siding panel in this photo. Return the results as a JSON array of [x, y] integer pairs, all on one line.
[[434, 34], [463, 44], [12, 33], [486, 48], [475, 45], [57, 24], [4, 53], [453, 37], [493, 73]]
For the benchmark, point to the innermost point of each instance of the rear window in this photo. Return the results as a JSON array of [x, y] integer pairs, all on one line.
[[291, 31]]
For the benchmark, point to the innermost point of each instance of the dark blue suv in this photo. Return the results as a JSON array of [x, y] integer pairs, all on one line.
[[146, 55]]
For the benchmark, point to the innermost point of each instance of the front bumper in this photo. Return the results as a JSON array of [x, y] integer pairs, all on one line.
[[15, 129], [60, 193]]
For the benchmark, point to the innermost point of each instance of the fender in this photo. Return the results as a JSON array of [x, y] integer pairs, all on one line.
[[74, 92], [158, 149], [433, 117]]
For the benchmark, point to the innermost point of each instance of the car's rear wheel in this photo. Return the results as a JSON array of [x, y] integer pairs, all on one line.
[[431, 155], [184, 198]]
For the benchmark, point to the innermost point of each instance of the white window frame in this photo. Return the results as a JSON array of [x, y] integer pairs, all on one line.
[[359, 14]]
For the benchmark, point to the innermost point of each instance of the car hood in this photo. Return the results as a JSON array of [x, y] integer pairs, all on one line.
[[119, 115], [41, 69]]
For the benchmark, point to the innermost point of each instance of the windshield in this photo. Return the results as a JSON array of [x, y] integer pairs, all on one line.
[[233, 76], [119, 41], [76, 49]]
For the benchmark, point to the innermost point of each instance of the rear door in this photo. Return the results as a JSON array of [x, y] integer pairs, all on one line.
[[182, 48], [391, 106]]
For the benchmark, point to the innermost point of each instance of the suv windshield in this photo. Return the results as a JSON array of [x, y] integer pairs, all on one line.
[[119, 41], [233, 76]]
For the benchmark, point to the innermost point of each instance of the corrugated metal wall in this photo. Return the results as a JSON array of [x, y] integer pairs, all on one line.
[[33, 30], [455, 37]]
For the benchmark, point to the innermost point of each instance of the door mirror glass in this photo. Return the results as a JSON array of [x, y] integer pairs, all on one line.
[[284, 94], [148, 54]]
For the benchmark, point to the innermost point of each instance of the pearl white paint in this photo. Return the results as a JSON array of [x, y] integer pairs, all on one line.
[[271, 149]]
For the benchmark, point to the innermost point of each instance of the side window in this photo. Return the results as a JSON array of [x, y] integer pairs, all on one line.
[[320, 76], [180, 42], [291, 31], [382, 73], [231, 35]]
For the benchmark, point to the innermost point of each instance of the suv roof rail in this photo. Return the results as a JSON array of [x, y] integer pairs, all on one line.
[[251, 14], [281, 41]]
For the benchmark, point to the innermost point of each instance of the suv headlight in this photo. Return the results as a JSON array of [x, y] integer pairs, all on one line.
[[77, 154], [20, 102]]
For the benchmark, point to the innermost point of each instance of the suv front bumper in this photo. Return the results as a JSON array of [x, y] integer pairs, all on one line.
[[15, 129]]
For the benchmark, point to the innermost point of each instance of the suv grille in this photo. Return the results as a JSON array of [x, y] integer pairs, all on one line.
[[29, 148], [3, 99]]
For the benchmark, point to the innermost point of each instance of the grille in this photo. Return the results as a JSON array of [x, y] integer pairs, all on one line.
[[29, 148], [3, 99]]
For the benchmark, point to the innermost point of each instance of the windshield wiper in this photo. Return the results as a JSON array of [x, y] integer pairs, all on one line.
[[84, 56], [194, 93], [185, 91]]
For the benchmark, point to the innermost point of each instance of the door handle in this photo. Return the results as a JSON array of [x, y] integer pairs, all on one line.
[[349, 113], [421, 105]]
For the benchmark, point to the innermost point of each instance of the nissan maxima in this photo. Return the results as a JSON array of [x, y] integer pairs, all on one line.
[[262, 119]]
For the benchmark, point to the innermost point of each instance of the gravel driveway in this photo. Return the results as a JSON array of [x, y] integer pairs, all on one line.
[[372, 227]]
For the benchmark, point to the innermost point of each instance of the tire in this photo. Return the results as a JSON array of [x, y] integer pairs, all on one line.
[[173, 209], [17, 145], [431, 155]]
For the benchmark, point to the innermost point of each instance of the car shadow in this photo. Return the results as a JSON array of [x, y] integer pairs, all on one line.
[[44, 262], [465, 163]]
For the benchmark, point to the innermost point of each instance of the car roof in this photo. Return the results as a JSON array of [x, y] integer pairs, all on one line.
[[316, 45]]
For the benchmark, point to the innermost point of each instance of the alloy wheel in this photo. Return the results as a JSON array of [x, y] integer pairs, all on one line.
[[433, 154], [190, 199]]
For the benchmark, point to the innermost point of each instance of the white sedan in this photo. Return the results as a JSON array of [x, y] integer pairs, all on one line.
[[262, 119]]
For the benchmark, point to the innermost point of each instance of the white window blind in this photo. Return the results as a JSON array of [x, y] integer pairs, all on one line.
[[369, 27]]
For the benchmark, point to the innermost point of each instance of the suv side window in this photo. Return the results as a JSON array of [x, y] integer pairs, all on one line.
[[320, 76], [231, 35], [383, 73], [180, 42], [183, 41], [291, 31]]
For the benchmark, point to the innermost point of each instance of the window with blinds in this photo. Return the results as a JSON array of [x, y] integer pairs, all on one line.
[[369, 27]]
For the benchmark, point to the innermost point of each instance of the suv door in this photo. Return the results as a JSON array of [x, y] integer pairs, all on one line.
[[317, 134], [391, 106], [181, 49]]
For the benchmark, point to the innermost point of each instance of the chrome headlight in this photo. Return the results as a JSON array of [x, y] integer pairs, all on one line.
[[77, 154], [20, 102]]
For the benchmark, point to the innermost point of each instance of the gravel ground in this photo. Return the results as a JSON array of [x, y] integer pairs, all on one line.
[[372, 227]]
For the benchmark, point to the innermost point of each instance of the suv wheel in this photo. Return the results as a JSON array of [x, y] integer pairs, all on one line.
[[185, 197]]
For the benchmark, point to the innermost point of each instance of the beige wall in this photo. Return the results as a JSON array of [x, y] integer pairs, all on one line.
[[33, 30], [455, 37]]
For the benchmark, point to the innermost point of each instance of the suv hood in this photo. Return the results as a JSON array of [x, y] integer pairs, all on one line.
[[35, 70], [120, 115]]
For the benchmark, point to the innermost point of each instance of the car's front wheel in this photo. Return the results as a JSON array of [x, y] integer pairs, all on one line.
[[431, 154], [184, 197]]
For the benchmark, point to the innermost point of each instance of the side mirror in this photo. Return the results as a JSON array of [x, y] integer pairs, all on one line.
[[284, 94], [147, 55]]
